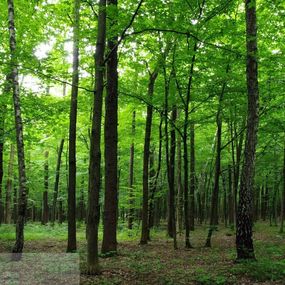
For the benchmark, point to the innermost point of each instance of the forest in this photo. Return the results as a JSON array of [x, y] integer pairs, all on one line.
[[142, 142]]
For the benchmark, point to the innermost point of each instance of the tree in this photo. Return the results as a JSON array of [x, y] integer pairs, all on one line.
[[56, 183], [45, 213], [94, 183], [14, 82], [145, 233], [71, 244], [111, 139], [244, 243]]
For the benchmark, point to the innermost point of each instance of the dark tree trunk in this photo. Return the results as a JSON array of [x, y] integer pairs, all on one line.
[[152, 189], [144, 233], [14, 81], [81, 206], [171, 181], [179, 186], [56, 183], [9, 185], [2, 118], [152, 201], [244, 242], [192, 177], [283, 195], [131, 177], [109, 243], [94, 183], [230, 198], [45, 193], [215, 194], [71, 213]]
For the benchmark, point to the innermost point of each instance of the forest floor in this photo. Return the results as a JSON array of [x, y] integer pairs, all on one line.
[[158, 263]]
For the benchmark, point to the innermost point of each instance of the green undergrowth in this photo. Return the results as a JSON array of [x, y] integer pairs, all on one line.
[[158, 263]]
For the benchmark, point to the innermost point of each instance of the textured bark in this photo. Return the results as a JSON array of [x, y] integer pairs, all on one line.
[[56, 183], [244, 242], [71, 213], [144, 233], [45, 193], [94, 183], [14, 81], [9, 186], [109, 243], [131, 175]]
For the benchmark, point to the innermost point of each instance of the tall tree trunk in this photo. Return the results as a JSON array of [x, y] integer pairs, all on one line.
[[15, 201], [215, 194], [230, 198], [94, 183], [179, 187], [1, 164], [109, 243], [14, 81], [244, 242], [71, 214], [9, 185], [192, 177], [131, 177], [152, 200], [144, 233], [171, 181], [45, 193], [283, 195], [56, 183]]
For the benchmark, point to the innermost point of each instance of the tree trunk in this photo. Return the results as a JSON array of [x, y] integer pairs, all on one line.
[[71, 214], [192, 177], [14, 81], [152, 201], [9, 185], [109, 243], [283, 195], [244, 242], [56, 183], [131, 177], [179, 186], [144, 233], [215, 194], [230, 198], [94, 183], [45, 193]]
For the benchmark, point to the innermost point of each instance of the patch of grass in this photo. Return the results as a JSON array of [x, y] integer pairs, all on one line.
[[262, 270]]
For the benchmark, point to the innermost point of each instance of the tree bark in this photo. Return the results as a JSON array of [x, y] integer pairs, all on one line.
[[9, 186], [14, 81], [244, 242], [144, 233], [45, 193], [94, 183], [56, 183], [71, 214], [131, 175], [215, 194], [109, 243], [179, 186]]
